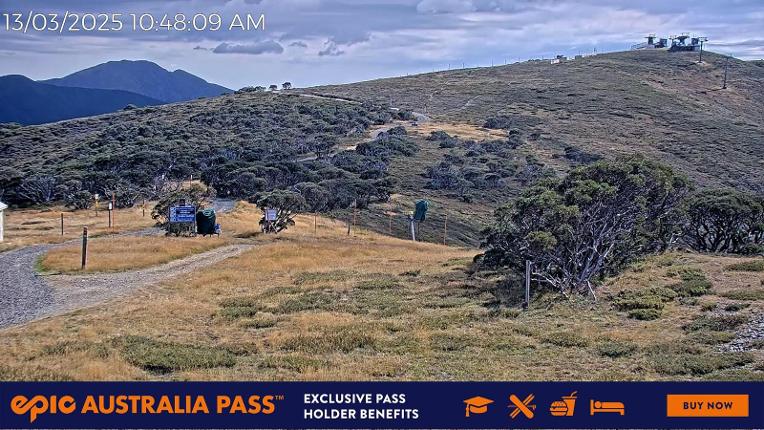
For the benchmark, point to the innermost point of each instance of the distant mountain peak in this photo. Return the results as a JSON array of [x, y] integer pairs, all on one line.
[[142, 77]]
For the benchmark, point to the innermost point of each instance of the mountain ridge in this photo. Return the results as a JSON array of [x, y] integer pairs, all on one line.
[[142, 77], [28, 102]]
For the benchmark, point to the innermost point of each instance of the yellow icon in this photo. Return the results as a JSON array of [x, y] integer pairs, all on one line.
[[596, 407], [564, 407], [524, 406], [476, 405]]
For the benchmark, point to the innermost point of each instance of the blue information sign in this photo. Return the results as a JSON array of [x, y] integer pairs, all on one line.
[[182, 214]]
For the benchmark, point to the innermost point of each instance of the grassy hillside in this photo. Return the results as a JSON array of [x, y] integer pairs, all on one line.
[[662, 104], [542, 119], [368, 307]]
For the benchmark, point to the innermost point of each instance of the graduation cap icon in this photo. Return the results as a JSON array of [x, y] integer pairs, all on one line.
[[476, 405]]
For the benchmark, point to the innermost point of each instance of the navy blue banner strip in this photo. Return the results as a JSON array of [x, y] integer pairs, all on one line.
[[412, 405]]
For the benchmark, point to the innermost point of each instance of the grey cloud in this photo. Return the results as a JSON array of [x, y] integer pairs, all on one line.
[[265, 47], [331, 49], [299, 44], [743, 43], [445, 6]]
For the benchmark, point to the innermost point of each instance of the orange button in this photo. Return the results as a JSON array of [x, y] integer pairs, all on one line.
[[707, 405]]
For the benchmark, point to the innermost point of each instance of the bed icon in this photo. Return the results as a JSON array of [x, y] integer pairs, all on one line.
[[597, 406]]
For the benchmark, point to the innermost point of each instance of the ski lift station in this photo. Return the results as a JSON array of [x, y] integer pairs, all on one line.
[[680, 43]]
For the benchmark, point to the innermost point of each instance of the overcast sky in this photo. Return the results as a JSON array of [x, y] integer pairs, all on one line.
[[311, 42]]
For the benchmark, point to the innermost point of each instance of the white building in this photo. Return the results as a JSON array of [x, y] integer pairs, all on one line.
[[3, 207]]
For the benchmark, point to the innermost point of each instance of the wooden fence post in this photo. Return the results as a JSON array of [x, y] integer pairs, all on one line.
[[62, 223], [445, 229], [527, 284], [84, 247]]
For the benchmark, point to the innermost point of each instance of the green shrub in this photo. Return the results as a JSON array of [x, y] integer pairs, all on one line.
[[712, 337], [716, 322], [645, 314], [744, 294], [165, 357], [694, 284], [651, 298]]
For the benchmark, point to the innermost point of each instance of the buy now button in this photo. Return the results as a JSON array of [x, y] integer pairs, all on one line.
[[707, 405]]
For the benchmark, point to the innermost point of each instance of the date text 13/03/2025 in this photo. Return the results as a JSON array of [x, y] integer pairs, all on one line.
[[71, 22]]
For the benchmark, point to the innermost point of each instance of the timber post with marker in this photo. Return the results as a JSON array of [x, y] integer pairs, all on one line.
[[84, 247]]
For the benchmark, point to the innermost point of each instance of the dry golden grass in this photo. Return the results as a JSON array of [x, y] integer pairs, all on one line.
[[35, 226], [127, 253], [327, 306], [121, 253], [461, 130]]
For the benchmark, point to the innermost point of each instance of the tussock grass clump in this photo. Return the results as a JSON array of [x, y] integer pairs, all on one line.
[[501, 312], [716, 322], [445, 301], [379, 284], [645, 304], [707, 307], [293, 362], [66, 347], [564, 338], [33, 373], [744, 294], [444, 341], [166, 357], [324, 277], [240, 307], [734, 307], [736, 374], [411, 273], [698, 364], [712, 337], [694, 284], [262, 320], [345, 340], [747, 266], [616, 348]]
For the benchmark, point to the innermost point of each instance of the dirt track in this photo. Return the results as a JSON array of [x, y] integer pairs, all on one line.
[[26, 296]]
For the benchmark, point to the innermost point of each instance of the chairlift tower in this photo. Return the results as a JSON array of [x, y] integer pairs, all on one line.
[[701, 40]]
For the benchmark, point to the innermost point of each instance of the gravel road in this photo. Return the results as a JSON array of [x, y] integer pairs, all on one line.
[[25, 296]]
